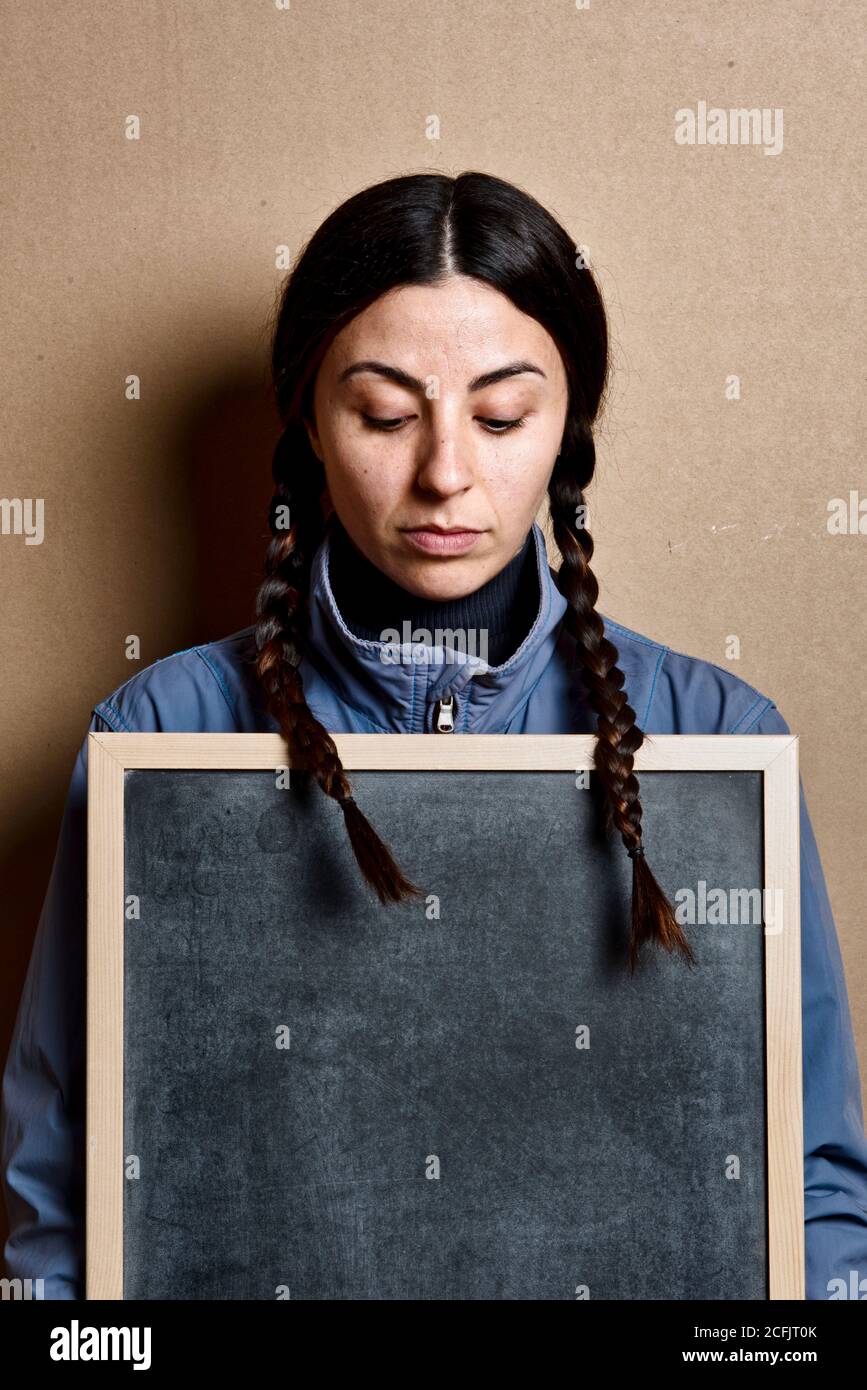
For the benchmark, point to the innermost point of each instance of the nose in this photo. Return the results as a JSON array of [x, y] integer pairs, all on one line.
[[446, 464]]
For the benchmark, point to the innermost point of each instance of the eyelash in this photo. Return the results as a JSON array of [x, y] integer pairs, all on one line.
[[383, 425]]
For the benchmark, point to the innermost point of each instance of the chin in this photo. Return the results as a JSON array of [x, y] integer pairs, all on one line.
[[437, 579]]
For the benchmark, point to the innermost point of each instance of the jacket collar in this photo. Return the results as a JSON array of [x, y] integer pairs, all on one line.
[[396, 688]]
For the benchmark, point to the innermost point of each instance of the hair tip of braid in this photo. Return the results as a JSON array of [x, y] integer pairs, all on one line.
[[653, 918], [373, 858], [389, 898]]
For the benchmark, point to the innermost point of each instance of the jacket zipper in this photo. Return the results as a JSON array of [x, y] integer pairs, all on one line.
[[445, 710]]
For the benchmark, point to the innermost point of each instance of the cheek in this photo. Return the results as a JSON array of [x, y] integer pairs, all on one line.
[[362, 474], [520, 471]]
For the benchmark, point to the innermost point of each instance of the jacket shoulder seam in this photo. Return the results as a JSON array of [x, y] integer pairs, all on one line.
[[112, 716], [218, 677], [115, 717], [634, 636], [645, 642], [765, 704], [759, 698], [724, 670], [667, 650], [662, 655]]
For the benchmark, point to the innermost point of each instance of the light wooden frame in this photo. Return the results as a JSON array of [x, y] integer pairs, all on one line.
[[111, 755]]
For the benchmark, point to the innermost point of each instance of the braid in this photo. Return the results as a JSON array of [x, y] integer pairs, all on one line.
[[282, 612], [618, 735]]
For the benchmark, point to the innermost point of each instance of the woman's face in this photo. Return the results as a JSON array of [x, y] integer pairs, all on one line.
[[414, 434]]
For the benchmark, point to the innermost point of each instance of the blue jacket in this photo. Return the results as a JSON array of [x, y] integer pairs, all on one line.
[[212, 688]]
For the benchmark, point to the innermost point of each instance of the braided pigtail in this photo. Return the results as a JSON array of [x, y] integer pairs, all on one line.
[[282, 614], [618, 735]]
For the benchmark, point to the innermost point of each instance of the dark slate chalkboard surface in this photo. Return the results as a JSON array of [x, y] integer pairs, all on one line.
[[432, 1131]]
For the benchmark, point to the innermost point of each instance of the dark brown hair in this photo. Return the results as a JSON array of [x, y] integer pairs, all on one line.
[[413, 230]]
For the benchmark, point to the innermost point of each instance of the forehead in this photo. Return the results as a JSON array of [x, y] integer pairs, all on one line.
[[462, 323]]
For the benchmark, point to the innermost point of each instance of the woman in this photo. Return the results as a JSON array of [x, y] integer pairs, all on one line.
[[439, 360]]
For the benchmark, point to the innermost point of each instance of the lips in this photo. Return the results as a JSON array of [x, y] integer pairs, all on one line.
[[446, 530], [438, 540]]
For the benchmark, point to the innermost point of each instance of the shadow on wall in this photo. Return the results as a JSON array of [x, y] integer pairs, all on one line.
[[229, 452], [222, 446]]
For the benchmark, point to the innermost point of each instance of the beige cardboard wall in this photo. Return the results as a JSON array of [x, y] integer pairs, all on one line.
[[156, 257]]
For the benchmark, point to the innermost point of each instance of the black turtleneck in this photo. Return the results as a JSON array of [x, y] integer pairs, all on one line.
[[370, 602]]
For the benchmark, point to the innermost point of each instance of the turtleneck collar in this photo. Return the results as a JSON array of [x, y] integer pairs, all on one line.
[[401, 698], [497, 616]]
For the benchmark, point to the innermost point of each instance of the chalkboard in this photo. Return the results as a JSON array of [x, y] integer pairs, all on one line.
[[463, 1097]]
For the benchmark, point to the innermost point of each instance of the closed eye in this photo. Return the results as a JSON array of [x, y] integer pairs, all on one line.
[[492, 426], [503, 426], [378, 424]]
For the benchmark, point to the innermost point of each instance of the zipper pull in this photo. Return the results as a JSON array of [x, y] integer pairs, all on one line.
[[445, 715]]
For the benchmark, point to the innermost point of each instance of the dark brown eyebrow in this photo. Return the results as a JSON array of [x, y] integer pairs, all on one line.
[[412, 383]]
